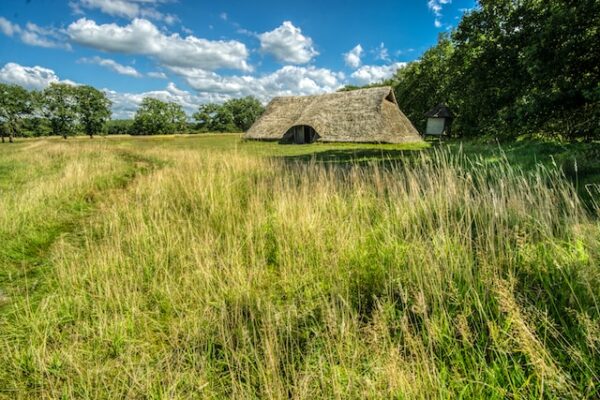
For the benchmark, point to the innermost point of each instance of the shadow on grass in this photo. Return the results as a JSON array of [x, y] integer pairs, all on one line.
[[355, 156], [579, 162]]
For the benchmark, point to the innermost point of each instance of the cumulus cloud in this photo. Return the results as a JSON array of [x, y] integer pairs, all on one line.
[[143, 37], [124, 105], [436, 6], [352, 58], [35, 35], [288, 80], [157, 75], [287, 44], [30, 77], [375, 73], [209, 86], [113, 66], [125, 8]]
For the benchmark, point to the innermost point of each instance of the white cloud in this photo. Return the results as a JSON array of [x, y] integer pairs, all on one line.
[[157, 75], [287, 44], [288, 80], [30, 77], [8, 28], [223, 16], [436, 6], [124, 105], [35, 35], [125, 8], [352, 58], [143, 37], [375, 73], [113, 66], [210, 86], [382, 52]]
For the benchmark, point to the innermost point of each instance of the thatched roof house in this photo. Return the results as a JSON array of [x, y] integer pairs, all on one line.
[[365, 115]]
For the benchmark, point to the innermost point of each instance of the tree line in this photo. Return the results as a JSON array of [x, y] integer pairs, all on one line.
[[157, 117], [512, 67], [66, 110], [59, 109]]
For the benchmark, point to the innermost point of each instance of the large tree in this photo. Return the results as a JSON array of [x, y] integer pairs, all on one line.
[[206, 116], [15, 104], [93, 108], [59, 105], [177, 118], [244, 111], [156, 117]]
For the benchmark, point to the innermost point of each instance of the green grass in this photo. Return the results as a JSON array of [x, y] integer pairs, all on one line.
[[208, 267]]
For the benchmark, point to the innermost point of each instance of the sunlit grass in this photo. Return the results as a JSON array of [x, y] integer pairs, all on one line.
[[223, 273]]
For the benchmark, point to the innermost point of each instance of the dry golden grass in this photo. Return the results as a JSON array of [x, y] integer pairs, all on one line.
[[227, 275]]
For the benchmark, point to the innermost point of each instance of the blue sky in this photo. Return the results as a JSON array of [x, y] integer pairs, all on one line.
[[192, 53]]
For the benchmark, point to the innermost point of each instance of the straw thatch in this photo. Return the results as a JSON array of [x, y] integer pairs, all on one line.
[[365, 115]]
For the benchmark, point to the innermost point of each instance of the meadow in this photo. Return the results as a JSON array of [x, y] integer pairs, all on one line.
[[208, 267]]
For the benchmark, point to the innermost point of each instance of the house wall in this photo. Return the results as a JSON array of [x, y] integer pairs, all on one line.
[[435, 126]]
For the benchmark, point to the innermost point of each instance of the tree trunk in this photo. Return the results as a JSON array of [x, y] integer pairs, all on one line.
[[91, 135], [64, 136], [10, 138]]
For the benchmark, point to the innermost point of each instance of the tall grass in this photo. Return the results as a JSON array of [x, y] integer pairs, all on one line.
[[229, 275]]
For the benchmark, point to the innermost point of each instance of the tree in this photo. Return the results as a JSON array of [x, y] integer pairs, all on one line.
[[59, 105], [120, 127], [205, 116], [177, 118], [93, 108], [422, 84], [15, 104], [513, 67], [235, 115], [156, 117], [244, 111], [223, 120]]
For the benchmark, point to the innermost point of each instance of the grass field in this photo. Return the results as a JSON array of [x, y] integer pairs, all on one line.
[[207, 267]]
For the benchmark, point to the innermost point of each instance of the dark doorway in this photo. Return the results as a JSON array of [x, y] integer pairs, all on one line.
[[300, 134]]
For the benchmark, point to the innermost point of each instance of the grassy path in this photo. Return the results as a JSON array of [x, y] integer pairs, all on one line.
[[37, 212]]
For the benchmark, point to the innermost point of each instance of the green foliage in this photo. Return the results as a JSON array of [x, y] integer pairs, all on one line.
[[423, 84], [94, 109], [244, 111], [119, 127], [59, 105], [34, 126], [513, 67], [15, 104], [60, 109], [207, 117], [156, 117], [235, 115]]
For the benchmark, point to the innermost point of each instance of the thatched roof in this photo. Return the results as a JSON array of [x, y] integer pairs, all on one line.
[[439, 111], [364, 115]]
